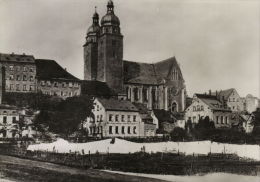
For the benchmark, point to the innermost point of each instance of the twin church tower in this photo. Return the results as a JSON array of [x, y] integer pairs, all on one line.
[[103, 50]]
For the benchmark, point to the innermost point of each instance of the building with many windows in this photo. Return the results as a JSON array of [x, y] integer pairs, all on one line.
[[118, 118], [208, 106], [158, 86], [25, 74]]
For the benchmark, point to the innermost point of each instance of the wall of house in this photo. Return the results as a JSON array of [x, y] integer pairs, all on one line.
[[19, 76], [234, 102], [222, 119], [8, 122], [61, 88]]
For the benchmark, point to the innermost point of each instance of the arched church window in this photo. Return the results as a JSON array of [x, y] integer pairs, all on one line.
[[136, 97], [174, 107], [145, 95], [153, 95]]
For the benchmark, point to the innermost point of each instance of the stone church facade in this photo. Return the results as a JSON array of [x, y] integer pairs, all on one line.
[[159, 86]]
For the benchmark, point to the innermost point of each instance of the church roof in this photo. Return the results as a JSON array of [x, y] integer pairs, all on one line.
[[117, 105], [17, 58], [49, 69], [152, 74]]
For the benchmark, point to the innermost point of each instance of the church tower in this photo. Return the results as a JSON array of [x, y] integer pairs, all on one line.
[[91, 49], [110, 51]]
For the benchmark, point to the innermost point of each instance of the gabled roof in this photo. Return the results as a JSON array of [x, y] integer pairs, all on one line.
[[95, 88], [145, 113], [17, 58], [152, 74], [112, 104], [49, 69], [225, 93], [212, 102]]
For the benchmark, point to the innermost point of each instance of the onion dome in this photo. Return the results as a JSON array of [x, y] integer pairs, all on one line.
[[94, 28], [110, 18]]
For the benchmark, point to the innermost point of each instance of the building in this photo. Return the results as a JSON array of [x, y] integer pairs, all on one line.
[[158, 86], [25, 74], [231, 99], [9, 122], [118, 118], [52, 79], [19, 72], [208, 105], [250, 103]]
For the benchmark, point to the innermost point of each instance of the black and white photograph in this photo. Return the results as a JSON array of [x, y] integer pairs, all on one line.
[[129, 90]]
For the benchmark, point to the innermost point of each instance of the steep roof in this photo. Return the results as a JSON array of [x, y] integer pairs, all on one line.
[[212, 102], [144, 73], [49, 69], [225, 93], [95, 88], [17, 58], [117, 105]]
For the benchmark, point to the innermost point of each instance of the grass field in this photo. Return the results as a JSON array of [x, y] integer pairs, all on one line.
[[23, 170]]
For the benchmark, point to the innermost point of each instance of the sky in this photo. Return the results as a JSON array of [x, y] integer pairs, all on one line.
[[216, 42]]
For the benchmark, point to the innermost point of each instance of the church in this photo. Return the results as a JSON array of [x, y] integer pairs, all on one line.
[[157, 86]]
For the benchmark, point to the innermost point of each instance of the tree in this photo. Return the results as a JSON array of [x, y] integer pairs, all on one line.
[[178, 134], [67, 115]]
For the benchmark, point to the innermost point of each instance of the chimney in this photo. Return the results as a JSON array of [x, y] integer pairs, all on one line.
[[24, 54], [209, 92]]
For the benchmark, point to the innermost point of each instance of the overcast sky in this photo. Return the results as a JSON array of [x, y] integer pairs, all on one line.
[[216, 42]]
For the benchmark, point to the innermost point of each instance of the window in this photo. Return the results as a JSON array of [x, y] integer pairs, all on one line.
[[136, 96], [101, 118], [202, 108], [145, 94], [42, 83], [222, 120], [128, 118], [11, 77], [14, 119], [63, 84], [110, 130], [116, 129], [174, 74], [113, 42], [55, 84], [134, 130], [11, 68], [4, 119], [134, 118], [18, 68], [97, 107], [114, 54], [11, 86], [129, 130], [110, 117], [31, 69], [24, 88], [70, 84], [24, 69], [116, 118], [24, 78], [31, 78], [123, 130], [17, 87], [97, 117], [217, 119], [18, 77], [194, 108], [198, 107], [48, 83], [233, 99], [123, 118], [226, 120]]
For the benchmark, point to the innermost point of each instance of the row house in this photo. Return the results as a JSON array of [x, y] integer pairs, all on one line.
[[118, 118], [208, 106]]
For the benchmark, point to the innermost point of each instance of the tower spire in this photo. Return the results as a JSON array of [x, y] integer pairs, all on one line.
[[95, 17], [110, 7]]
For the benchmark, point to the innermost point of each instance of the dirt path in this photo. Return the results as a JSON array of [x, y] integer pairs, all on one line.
[[16, 169]]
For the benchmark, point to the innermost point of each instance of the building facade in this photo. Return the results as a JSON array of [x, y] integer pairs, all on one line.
[[9, 122], [208, 106], [25, 74], [250, 103], [158, 86], [118, 118]]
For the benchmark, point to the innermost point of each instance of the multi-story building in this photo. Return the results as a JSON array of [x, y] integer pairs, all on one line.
[[25, 74], [52, 79], [9, 122], [158, 86], [230, 98], [118, 118], [19, 72], [250, 103], [208, 106]]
